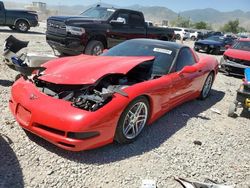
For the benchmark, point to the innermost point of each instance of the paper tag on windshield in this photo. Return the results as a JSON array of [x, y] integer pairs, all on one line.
[[161, 50], [111, 10]]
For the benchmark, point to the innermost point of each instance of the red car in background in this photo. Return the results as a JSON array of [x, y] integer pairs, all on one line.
[[84, 102], [236, 58]]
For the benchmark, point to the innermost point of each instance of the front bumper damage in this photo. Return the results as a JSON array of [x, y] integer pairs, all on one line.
[[232, 68], [58, 122]]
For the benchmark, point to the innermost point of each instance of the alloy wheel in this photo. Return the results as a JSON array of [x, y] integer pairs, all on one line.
[[135, 120]]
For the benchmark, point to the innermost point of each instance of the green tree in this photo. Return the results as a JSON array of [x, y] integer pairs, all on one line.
[[200, 25], [232, 26]]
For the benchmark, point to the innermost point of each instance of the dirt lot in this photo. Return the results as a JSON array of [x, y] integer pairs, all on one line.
[[165, 149]]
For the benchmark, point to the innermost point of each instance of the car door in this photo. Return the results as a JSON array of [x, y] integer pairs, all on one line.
[[184, 82], [133, 26]]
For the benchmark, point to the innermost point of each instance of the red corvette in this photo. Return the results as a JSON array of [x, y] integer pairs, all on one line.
[[84, 102], [236, 58]]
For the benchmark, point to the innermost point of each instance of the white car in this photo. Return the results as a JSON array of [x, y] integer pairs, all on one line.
[[181, 33], [193, 34]]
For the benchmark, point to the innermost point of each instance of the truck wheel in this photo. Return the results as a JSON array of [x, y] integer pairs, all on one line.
[[178, 37], [12, 27], [22, 26], [94, 47]]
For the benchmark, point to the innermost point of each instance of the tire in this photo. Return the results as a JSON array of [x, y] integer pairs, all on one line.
[[126, 131], [193, 38], [231, 110], [94, 47], [22, 26], [178, 37], [216, 51], [209, 51], [207, 86], [12, 27]]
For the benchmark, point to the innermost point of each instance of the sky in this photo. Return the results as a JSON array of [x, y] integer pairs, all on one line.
[[175, 5]]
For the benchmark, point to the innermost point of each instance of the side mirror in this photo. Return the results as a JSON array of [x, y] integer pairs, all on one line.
[[188, 69], [119, 21]]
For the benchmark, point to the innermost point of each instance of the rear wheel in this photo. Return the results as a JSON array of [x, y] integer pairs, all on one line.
[[94, 47], [132, 120], [22, 26], [207, 86], [178, 37], [216, 51]]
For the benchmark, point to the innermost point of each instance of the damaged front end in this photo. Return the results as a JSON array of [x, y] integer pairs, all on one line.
[[92, 97], [86, 97]]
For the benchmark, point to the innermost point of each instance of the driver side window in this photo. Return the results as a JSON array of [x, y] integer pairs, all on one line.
[[185, 58], [122, 16]]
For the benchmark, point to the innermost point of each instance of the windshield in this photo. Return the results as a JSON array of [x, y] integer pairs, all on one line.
[[164, 56], [216, 38], [242, 45], [98, 13]]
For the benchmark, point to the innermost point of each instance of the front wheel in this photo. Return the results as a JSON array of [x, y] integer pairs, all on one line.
[[132, 120], [22, 26], [207, 86], [94, 47]]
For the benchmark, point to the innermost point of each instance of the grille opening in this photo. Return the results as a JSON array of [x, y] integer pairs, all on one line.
[[67, 145], [52, 130]]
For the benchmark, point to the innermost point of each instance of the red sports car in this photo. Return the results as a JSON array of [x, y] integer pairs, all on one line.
[[236, 58], [84, 102]]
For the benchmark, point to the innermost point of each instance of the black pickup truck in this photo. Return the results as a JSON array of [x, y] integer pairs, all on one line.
[[99, 28], [20, 20]]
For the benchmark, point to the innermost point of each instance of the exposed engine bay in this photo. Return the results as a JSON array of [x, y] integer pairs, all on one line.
[[94, 96]]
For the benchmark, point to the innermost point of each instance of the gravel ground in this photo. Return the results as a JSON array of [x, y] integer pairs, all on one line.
[[165, 149]]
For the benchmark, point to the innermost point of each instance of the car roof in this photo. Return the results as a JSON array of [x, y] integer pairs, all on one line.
[[168, 44]]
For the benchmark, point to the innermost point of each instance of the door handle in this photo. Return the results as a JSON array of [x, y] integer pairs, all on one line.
[[199, 70]]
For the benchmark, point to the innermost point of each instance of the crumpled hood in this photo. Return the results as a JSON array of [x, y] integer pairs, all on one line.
[[238, 54], [209, 42], [85, 69]]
